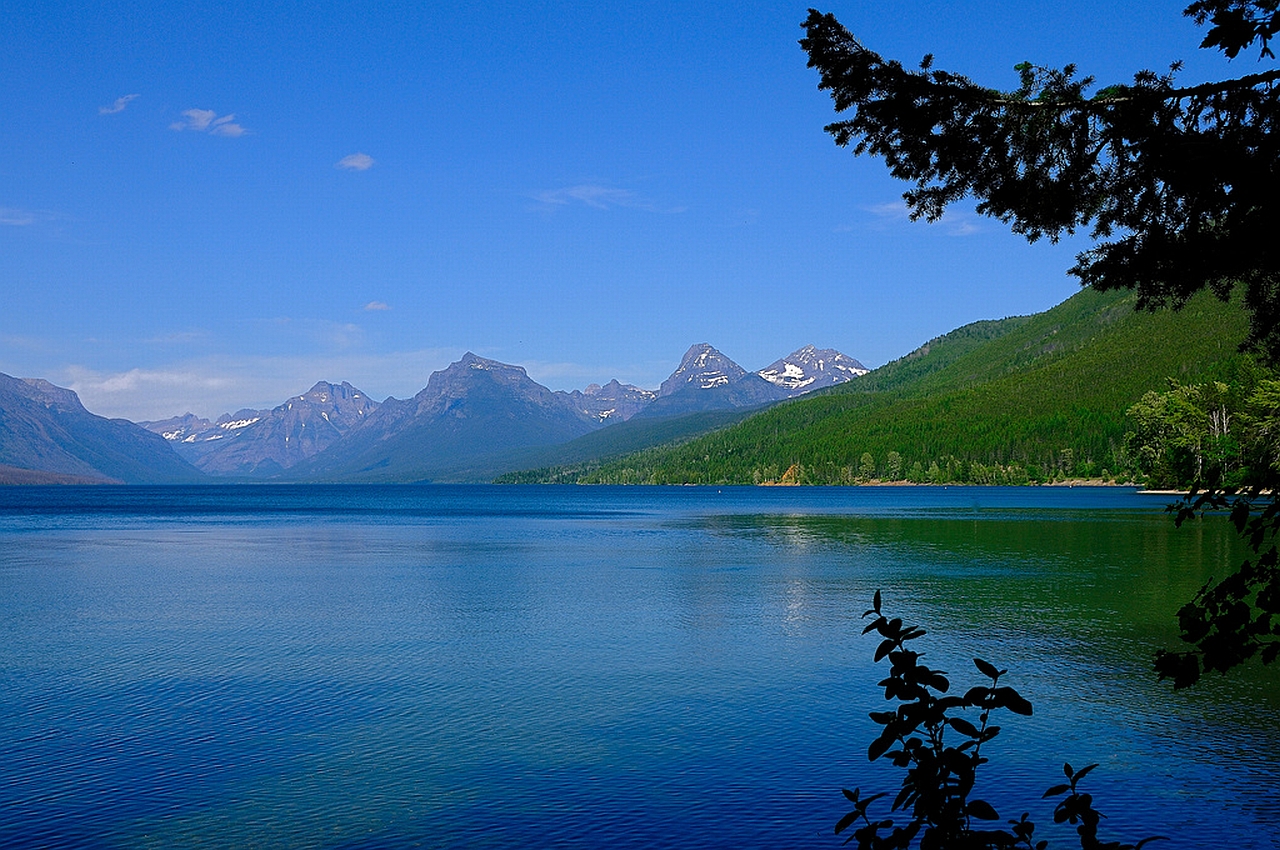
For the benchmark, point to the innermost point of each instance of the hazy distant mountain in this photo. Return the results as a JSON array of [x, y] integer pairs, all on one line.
[[708, 380], [176, 429], [46, 436], [473, 409], [263, 443], [809, 369], [614, 402]]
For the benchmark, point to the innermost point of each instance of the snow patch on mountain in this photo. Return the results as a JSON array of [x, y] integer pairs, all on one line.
[[809, 368]]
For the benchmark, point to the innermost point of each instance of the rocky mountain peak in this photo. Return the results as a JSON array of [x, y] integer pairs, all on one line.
[[811, 368], [59, 398], [704, 367]]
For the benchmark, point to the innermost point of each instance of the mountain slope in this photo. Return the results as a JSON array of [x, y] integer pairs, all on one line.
[[44, 429], [1024, 398], [474, 409]]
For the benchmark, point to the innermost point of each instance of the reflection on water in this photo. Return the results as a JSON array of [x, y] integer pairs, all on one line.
[[474, 667]]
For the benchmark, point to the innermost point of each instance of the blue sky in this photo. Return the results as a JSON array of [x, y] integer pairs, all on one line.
[[210, 208]]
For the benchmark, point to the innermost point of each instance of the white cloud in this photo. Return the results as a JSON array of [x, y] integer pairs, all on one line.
[[224, 127], [355, 162], [118, 106], [376, 305], [207, 121], [597, 196]]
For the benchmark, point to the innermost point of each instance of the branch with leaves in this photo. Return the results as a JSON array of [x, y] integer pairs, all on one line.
[[936, 797]]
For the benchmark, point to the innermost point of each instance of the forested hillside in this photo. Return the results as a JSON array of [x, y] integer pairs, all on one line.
[[1019, 400]]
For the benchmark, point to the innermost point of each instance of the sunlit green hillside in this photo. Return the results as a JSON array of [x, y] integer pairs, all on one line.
[[1022, 399]]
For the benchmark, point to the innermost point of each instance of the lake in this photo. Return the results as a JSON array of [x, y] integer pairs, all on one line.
[[474, 666]]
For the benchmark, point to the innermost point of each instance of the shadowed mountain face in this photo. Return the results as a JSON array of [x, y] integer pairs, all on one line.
[[46, 436], [263, 443], [473, 409]]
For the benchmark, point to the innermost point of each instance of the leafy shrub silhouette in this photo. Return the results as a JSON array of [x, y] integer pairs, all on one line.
[[937, 788], [1236, 619]]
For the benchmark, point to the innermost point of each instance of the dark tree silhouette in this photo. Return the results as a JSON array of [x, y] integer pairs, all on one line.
[[1179, 187]]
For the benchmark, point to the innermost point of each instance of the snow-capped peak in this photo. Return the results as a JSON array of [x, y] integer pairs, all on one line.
[[811, 368]]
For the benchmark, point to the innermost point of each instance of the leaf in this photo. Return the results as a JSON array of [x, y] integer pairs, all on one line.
[[982, 810], [1066, 768], [885, 647], [852, 796], [964, 727], [986, 669], [1012, 700], [1055, 791], [878, 747], [1080, 774], [845, 821]]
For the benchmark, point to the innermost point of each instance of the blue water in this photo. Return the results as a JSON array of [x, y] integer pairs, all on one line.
[[369, 667]]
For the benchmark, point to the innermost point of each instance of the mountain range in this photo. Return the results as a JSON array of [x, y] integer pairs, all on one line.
[[473, 420]]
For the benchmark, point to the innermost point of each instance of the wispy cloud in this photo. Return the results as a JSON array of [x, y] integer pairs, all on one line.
[[954, 224], [207, 121], [355, 162], [597, 196], [376, 305], [16, 217], [309, 332], [118, 106], [178, 337]]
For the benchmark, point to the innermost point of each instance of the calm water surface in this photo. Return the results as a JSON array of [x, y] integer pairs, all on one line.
[[369, 667]]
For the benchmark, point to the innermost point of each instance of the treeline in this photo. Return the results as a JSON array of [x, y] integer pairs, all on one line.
[[1217, 433], [1031, 400]]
